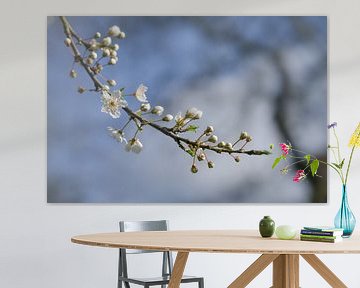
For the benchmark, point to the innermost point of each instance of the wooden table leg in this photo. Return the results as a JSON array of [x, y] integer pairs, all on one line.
[[286, 271], [253, 270], [324, 271], [178, 270]]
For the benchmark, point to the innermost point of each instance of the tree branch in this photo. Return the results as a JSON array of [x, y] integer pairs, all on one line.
[[71, 34]]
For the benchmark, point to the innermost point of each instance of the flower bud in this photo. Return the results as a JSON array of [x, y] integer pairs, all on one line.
[[106, 52], [89, 61], [248, 139], [116, 47], [93, 55], [237, 158], [194, 169], [209, 130], [243, 135], [111, 82], [73, 73], [157, 110], [94, 46], [221, 144], [201, 157], [106, 41], [113, 53], [106, 87], [271, 146], [81, 90], [97, 35], [228, 146], [168, 118], [213, 139], [122, 35], [112, 61], [67, 42], [145, 107], [211, 164]]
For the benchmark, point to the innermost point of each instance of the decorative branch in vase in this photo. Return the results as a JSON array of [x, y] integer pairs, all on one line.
[[344, 218], [97, 53]]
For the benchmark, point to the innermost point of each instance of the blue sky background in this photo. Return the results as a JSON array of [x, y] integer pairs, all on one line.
[[242, 72]]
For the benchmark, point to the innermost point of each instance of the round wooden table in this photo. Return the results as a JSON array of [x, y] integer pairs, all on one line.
[[284, 254]]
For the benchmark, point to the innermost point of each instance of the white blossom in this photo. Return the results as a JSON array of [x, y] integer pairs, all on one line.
[[140, 93], [178, 117], [116, 47], [97, 35], [134, 145], [158, 110], [112, 102], [117, 134], [193, 113], [106, 41], [114, 31]]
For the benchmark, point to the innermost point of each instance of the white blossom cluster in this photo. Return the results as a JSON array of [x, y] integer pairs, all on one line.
[[100, 52]]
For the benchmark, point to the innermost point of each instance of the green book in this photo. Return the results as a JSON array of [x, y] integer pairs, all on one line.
[[319, 236], [325, 240]]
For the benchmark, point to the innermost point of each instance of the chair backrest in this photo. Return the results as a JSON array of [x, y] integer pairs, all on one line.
[[135, 226]]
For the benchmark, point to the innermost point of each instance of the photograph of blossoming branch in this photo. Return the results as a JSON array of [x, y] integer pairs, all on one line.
[[184, 109]]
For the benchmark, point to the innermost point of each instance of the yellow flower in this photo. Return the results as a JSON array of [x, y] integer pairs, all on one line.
[[355, 137]]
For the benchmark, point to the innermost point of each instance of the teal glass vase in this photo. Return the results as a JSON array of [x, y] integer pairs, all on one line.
[[345, 219]]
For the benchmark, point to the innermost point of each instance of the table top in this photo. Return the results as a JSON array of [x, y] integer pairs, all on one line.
[[217, 241]]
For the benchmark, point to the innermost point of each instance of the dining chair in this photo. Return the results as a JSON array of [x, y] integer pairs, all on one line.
[[167, 260]]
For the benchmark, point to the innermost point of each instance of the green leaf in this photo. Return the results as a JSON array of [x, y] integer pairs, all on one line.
[[277, 161], [336, 165], [314, 166], [190, 152], [342, 163], [307, 157], [192, 128]]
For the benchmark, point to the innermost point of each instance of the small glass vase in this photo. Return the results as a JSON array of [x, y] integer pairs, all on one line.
[[345, 219]]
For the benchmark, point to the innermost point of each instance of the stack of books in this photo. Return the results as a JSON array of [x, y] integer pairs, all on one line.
[[321, 234]]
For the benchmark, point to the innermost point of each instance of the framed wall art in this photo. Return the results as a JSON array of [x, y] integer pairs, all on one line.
[[184, 109]]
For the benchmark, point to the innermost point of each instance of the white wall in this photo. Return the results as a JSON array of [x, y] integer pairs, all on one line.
[[35, 248]]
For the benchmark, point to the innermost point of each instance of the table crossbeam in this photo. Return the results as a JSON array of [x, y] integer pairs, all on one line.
[[324, 271], [253, 270]]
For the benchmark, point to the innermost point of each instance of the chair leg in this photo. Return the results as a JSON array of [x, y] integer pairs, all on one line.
[[201, 283]]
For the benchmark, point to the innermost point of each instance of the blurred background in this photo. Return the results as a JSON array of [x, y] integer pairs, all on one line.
[[265, 75]]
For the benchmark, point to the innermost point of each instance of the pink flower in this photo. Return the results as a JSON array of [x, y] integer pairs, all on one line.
[[285, 148], [300, 175]]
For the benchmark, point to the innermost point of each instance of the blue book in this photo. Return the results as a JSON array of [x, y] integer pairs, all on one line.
[[322, 231]]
